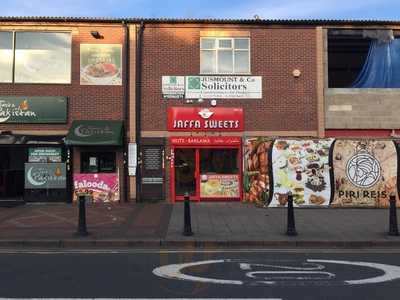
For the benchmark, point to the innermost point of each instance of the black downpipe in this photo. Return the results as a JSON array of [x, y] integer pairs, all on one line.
[[139, 41], [126, 110]]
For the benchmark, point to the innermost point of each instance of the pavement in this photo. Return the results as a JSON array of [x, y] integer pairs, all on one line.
[[215, 224]]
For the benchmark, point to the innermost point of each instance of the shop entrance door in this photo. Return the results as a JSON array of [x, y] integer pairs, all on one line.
[[12, 173], [186, 173]]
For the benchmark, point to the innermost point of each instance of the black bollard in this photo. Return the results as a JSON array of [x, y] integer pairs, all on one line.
[[291, 226], [82, 230], [393, 229], [187, 228]]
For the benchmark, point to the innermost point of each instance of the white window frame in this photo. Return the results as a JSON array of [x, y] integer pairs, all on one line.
[[217, 39]]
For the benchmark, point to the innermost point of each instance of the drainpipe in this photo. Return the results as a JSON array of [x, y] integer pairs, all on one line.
[[139, 41], [126, 109]]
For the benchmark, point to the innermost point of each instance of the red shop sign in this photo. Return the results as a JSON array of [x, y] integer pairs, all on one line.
[[206, 140], [205, 119]]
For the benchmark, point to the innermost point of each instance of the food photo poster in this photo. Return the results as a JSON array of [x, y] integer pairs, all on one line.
[[101, 64], [301, 167]]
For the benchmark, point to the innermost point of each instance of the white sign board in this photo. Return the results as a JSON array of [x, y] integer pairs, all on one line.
[[220, 87], [173, 87], [132, 159]]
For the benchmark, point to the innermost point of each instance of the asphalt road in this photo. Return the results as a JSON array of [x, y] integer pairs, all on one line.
[[294, 274]]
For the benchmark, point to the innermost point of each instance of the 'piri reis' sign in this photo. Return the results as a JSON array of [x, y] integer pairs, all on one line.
[[205, 119], [33, 109]]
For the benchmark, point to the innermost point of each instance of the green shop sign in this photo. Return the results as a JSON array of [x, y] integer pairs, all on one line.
[[45, 176], [33, 109], [44, 154]]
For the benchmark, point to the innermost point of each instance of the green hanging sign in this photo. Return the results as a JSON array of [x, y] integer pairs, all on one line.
[[33, 109]]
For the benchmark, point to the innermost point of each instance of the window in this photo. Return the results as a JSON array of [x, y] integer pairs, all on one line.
[[98, 162], [225, 55], [6, 56], [38, 57], [219, 161]]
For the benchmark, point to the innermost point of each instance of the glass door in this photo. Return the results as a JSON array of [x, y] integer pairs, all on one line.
[[186, 171]]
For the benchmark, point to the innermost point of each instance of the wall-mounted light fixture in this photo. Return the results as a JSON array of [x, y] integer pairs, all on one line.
[[296, 73], [213, 102], [200, 100], [96, 34]]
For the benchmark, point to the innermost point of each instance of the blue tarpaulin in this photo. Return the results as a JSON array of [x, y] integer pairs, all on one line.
[[382, 66]]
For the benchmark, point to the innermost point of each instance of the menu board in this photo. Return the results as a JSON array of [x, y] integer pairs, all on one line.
[[365, 173], [256, 176], [220, 186], [44, 154], [101, 64], [102, 187], [302, 168]]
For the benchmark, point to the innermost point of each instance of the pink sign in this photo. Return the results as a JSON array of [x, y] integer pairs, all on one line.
[[103, 187]]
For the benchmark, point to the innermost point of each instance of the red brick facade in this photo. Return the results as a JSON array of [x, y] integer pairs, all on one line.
[[288, 103], [84, 102]]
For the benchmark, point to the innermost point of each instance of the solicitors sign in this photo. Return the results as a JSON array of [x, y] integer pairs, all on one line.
[[205, 119], [220, 87]]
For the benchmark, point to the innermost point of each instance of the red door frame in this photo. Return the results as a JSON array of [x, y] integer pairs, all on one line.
[[197, 148]]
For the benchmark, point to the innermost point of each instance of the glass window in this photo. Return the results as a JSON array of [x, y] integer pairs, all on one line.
[[225, 61], [219, 161], [208, 60], [207, 44], [6, 56], [43, 57], [225, 55], [98, 162], [242, 44]]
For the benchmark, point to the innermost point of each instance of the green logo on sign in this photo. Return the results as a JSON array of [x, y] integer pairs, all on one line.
[[194, 83], [172, 79]]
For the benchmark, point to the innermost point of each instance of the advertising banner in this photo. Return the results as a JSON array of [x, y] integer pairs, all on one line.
[[45, 176], [365, 173], [220, 87], [205, 119], [44, 154], [302, 168], [102, 187], [101, 64], [256, 174], [173, 87], [33, 109], [206, 140], [220, 186]]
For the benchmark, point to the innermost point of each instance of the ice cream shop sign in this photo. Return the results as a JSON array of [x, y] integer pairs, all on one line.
[[205, 119]]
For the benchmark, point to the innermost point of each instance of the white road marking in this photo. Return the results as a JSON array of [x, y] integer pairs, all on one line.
[[174, 271], [390, 272]]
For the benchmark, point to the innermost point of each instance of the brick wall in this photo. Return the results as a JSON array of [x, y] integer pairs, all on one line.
[[85, 102], [288, 103]]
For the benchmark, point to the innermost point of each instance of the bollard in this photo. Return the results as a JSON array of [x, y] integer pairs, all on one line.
[[393, 229], [291, 226], [82, 230], [187, 228]]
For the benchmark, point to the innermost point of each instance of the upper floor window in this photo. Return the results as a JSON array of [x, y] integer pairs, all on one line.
[[35, 57], [224, 55]]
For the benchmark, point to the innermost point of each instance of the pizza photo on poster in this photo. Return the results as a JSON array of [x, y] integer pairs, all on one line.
[[301, 167], [256, 179], [365, 173]]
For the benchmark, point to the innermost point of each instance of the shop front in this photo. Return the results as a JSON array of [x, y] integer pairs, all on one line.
[[98, 159], [206, 167]]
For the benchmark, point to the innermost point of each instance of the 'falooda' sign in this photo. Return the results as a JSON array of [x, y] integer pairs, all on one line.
[[205, 119]]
